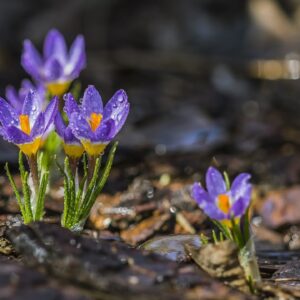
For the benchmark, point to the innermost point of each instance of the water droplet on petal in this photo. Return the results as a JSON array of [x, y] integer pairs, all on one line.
[[121, 99]]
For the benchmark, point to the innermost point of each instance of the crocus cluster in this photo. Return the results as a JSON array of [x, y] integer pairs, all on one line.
[[29, 115], [91, 127]]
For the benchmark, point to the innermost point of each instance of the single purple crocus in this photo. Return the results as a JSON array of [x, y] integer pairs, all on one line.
[[96, 126], [72, 146], [28, 128], [16, 98], [220, 203], [58, 67]]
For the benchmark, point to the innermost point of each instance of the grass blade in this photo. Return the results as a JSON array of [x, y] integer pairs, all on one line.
[[17, 194]]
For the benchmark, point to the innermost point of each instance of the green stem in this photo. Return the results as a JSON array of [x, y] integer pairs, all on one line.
[[32, 162], [91, 167], [73, 165]]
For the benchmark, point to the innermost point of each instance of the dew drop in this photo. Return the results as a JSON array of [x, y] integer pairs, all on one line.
[[121, 99]]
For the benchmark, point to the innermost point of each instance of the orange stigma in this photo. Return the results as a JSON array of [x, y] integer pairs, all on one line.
[[224, 203], [24, 123], [95, 120]]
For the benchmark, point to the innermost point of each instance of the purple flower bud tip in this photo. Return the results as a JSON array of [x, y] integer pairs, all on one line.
[[16, 98], [57, 67]]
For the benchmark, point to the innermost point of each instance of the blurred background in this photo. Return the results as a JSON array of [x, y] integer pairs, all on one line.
[[210, 82]]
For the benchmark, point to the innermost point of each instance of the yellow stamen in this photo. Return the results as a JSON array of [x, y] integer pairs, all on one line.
[[95, 120], [58, 88], [93, 149], [224, 203], [73, 150], [31, 148], [24, 123]]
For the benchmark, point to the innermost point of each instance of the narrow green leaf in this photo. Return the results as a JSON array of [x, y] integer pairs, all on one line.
[[41, 197], [85, 164], [107, 168], [78, 201], [89, 202], [214, 236], [246, 226], [221, 236], [66, 195], [72, 192], [25, 188], [21, 164], [222, 228], [27, 195], [17, 194], [91, 187], [227, 181], [237, 233]]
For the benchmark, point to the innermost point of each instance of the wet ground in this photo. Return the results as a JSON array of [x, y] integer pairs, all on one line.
[[209, 83], [168, 144]]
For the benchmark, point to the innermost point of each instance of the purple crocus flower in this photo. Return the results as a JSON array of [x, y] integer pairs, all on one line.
[[16, 98], [96, 126], [28, 128], [220, 203], [58, 67], [72, 146]]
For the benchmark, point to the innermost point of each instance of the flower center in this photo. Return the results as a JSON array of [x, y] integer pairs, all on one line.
[[224, 203], [24, 123], [95, 120]]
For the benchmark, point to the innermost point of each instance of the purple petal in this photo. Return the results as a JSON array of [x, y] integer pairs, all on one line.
[[26, 84], [206, 203], [105, 132], [117, 109], [3, 133], [53, 69], [215, 183], [199, 194], [241, 194], [80, 127], [38, 126], [50, 113], [77, 57], [240, 206], [69, 137], [31, 60], [55, 46], [240, 186], [213, 211], [13, 98], [60, 126], [8, 115], [71, 105], [31, 105], [17, 136], [91, 102]]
